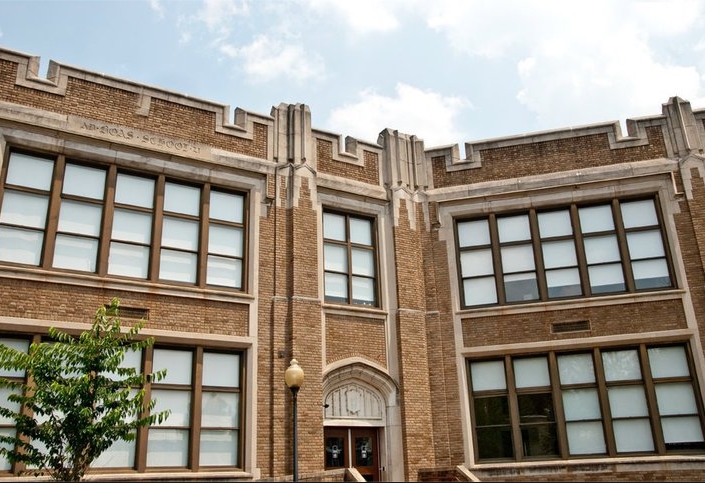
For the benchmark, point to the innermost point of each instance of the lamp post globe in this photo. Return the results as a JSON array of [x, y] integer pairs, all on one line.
[[294, 378]]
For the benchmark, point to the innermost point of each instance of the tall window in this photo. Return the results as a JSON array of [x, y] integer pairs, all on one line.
[[558, 253], [612, 402], [349, 259]]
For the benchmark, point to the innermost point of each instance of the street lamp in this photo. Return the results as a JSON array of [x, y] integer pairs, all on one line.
[[294, 377]]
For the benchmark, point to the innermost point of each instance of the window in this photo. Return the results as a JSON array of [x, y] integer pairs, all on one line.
[[608, 402], [349, 259], [559, 253], [66, 215]]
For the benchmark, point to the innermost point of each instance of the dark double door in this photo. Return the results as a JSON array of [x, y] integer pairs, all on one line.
[[353, 447]]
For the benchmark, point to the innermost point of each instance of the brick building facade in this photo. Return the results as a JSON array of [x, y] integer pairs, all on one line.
[[533, 311]]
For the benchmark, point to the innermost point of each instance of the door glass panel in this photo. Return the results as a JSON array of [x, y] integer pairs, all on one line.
[[363, 451], [335, 452]]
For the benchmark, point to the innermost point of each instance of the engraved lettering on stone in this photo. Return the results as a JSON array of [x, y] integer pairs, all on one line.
[[143, 138]]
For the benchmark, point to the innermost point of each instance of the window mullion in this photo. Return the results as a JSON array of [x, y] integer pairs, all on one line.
[[651, 401], [580, 250], [202, 256], [538, 255], [513, 409], [348, 254], [497, 259], [558, 405], [53, 213], [196, 399], [623, 247], [143, 431], [155, 249], [604, 403], [107, 224]]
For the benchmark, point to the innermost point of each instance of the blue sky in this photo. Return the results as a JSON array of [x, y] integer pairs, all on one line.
[[449, 71]]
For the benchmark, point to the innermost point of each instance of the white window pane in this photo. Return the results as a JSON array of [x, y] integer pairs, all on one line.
[[586, 438], [220, 410], [645, 244], [132, 226], [128, 260], [19, 345], [601, 249], [131, 360], [581, 404], [25, 170], [363, 262], [5, 392], [179, 402], [555, 223], [531, 372], [487, 375], [633, 435], [651, 274], [178, 233], [226, 272], [563, 283], [336, 286], [333, 226], [180, 198], [134, 190], [606, 278], [4, 462], [222, 370], [675, 398], [363, 290], [473, 233], [513, 228], [167, 447], [627, 401], [121, 454], [596, 218], [682, 430], [559, 254], [476, 262], [177, 266], [521, 287], [24, 209], [227, 207], [576, 369], [517, 258], [639, 213], [225, 240], [218, 448], [21, 246], [80, 218], [668, 362], [177, 363], [621, 365], [84, 181], [75, 253], [336, 258], [361, 231], [480, 291]]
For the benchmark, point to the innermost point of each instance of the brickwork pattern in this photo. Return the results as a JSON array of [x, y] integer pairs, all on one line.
[[348, 336], [369, 173]]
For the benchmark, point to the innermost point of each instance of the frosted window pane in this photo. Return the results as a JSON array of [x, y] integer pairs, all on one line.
[[132, 226], [675, 398], [563, 283], [24, 209], [179, 198], [555, 223], [333, 226], [220, 410], [473, 233], [531, 372], [682, 430], [645, 244], [627, 401], [581, 404], [621, 365], [480, 291], [559, 254], [586, 438], [80, 218], [6, 403], [361, 231], [128, 260], [227, 207], [601, 249], [4, 462], [363, 262], [336, 258], [84, 181], [134, 190], [596, 218], [513, 228], [18, 345], [517, 258], [20, 246], [521, 287], [633, 435], [30, 171], [668, 362], [639, 213], [177, 363], [75, 253], [177, 266], [487, 375], [476, 262], [576, 369], [179, 402], [651, 274], [226, 272], [132, 360], [178, 233], [221, 370], [363, 290], [218, 448], [121, 454], [606, 278], [167, 447], [337, 286], [225, 240]]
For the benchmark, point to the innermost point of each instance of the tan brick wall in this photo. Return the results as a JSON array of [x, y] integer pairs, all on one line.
[[369, 173], [348, 336]]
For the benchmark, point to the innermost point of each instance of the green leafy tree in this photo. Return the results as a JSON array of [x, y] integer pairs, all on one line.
[[78, 398]]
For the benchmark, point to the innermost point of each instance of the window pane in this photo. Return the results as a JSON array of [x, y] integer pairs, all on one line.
[[363, 290], [581, 404], [521, 287], [513, 228], [180, 198], [75, 253], [336, 287], [177, 266], [633, 435], [80, 218], [517, 258], [222, 370], [6, 403], [596, 218], [132, 226], [638, 213], [487, 375], [606, 278], [668, 362], [225, 240], [494, 442], [227, 207], [4, 462], [586, 438], [167, 447], [177, 363], [491, 411], [682, 430], [675, 398], [226, 272], [220, 410], [179, 402], [601, 249], [134, 190], [336, 257], [621, 365], [627, 401], [21, 246], [334, 226], [559, 254], [555, 223], [645, 244], [361, 231], [576, 369], [24, 209], [128, 260], [218, 448], [476, 262], [30, 171], [531, 372], [480, 291], [563, 283], [84, 181], [178, 233], [651, 274], [18, 345], [473, 233], [121, 454], [363, 262]]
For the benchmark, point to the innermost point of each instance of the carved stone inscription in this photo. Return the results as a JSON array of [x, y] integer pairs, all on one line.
[[134, 136]]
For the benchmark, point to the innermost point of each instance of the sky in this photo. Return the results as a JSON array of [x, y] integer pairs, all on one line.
[[448, 71]]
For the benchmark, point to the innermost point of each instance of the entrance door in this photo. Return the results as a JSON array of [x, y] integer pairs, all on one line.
[[353, 447]]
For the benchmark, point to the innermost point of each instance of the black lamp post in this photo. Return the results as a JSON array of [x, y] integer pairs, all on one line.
[[294, 377]]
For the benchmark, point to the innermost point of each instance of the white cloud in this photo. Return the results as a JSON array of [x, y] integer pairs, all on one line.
[[425, 113], [157, 6], [216, 14], [363, 16]]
